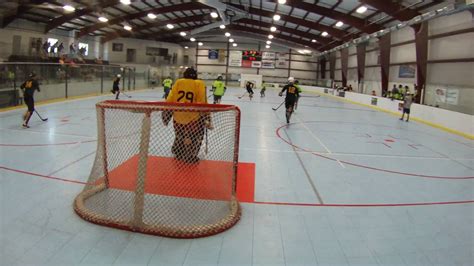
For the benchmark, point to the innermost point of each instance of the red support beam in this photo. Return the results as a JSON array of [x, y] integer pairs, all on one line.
[[332, 66], [344, 65], [421, 43], [361, 50], [384, 44], [393, 9]]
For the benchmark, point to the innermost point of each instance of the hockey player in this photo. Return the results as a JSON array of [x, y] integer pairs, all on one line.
[[299, 92], [189, 126], [249, 86], [290, 99], [28, 87], [407, 101], [262, 91], [167, 83], [115, 87], [218, 89]]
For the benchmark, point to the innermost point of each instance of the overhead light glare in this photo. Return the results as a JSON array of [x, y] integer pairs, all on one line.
[[267, 46], [151, 15], [324, 34], [276, 17], [227, 34], [200, 44], [361, 9], [339, 24], [169, 26], [269, 42], [313, 40], [234, 44], [214, 15], [273, 29], [270, 36], [127, 27], [182, 33], [125, 2], [192, 39], [69, 8], [185, 47], [103, 19], [222, 26], [231, 40], [281, 2]]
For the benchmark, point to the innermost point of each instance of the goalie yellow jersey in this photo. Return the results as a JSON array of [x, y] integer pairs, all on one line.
[[187, 91]]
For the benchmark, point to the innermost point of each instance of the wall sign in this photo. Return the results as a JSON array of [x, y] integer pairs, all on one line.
[[406, 71], [235, 58], [213, 54], [117, 47]]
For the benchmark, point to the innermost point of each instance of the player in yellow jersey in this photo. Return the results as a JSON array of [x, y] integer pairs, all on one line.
[[189, 126]]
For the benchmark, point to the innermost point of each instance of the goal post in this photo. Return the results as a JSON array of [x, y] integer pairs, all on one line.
[[155, 172], [254, 78]]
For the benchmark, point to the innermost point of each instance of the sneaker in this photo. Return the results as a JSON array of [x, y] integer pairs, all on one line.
[[25, 126], [401, 119], [406, 120]]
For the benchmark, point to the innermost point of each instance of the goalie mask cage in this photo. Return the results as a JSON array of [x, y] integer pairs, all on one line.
[[164, 168]]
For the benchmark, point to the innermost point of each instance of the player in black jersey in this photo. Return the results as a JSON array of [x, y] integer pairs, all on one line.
[[115, 87], [28, 87], [292, 95], [249, 86]]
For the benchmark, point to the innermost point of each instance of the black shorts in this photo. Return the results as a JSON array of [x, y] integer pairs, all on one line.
[[250, 91], [289, 103], [30, 102], [406, 110], [217, 97]]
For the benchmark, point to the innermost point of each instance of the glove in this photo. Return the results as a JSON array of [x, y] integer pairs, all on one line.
[[280, 94]]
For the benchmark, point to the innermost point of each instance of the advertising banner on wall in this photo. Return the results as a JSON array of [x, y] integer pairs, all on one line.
[[213, 54], [256, 64], [235, 58], [280, 60], [406, 71], [268, 64], [221, 55], [247, 63], [440, 95], [452, 96], [268, 56]]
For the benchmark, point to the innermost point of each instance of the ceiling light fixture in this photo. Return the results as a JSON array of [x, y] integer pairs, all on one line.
[[281, 2], [339, 24], [103, 19], [185, 47], [214, 15], [169, 26], [276, 17], [267, 46], [231, 40], [125, 2], [222, 26], [127, 27], [269, 42], [361, 9], [313, 40], [270, 36], [182, 33], [324, 34], [192, 39], [200, 44], [234, 44], [227, 34], [151, 15], [273, 29], [69, 8]]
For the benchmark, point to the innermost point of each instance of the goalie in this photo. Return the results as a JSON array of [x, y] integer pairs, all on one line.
[[189, 126]]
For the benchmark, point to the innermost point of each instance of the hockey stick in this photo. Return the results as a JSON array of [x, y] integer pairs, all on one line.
[[274, 109], [126, 94], [43, 119], [240, 97], [207, 143]]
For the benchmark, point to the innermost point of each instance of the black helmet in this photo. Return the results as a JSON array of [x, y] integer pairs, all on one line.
[[296, 81], [190, 73], [219, 77], [32, 75]]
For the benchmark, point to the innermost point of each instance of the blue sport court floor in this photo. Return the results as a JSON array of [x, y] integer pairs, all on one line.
[[342, 184]]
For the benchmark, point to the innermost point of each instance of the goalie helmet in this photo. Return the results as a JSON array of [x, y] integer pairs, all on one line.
[[119, 76], [190, 73]]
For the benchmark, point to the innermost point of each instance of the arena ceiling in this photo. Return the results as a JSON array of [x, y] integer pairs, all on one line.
[[319, 25]]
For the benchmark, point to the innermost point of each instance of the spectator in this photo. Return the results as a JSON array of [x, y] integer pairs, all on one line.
[[72, 49], [38, 46], [60, 49], [46, 45], [373, 93]]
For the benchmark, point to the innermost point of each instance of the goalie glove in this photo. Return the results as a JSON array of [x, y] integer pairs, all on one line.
[[280, 94]]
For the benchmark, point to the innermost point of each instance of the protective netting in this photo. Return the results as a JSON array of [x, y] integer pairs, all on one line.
[[165, 169]]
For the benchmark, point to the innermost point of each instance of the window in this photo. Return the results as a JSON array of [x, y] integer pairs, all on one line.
[[53, 45], [85, 47]]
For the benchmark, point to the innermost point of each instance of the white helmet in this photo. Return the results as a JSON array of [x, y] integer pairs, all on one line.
[[118, 75], [291, 79]]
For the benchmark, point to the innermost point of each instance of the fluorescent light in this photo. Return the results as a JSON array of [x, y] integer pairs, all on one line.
[[126, 27], [361, 9], [227, 34], [169, 26], [281, 2], [185, 47], [222, 26], [324, 34], [234, 44], [192, 39], [231, 40], [69, 8], [313, 40], [273, 29], [151, 15], [270, 36], [103, 19], [276, 17], [182, 33], [214, 15], [339, 24], [200, 44], [267, 46], [269, 42], [307, 51], [125, 2]]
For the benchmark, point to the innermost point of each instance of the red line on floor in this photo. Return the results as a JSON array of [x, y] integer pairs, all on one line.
[[277, 131], [43, 176], [71, 163], [46, 144]]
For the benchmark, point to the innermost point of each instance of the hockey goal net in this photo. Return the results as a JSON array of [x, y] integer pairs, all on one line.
[[164, 169]]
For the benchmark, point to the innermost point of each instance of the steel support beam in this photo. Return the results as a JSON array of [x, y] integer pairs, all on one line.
[[384, 45]]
